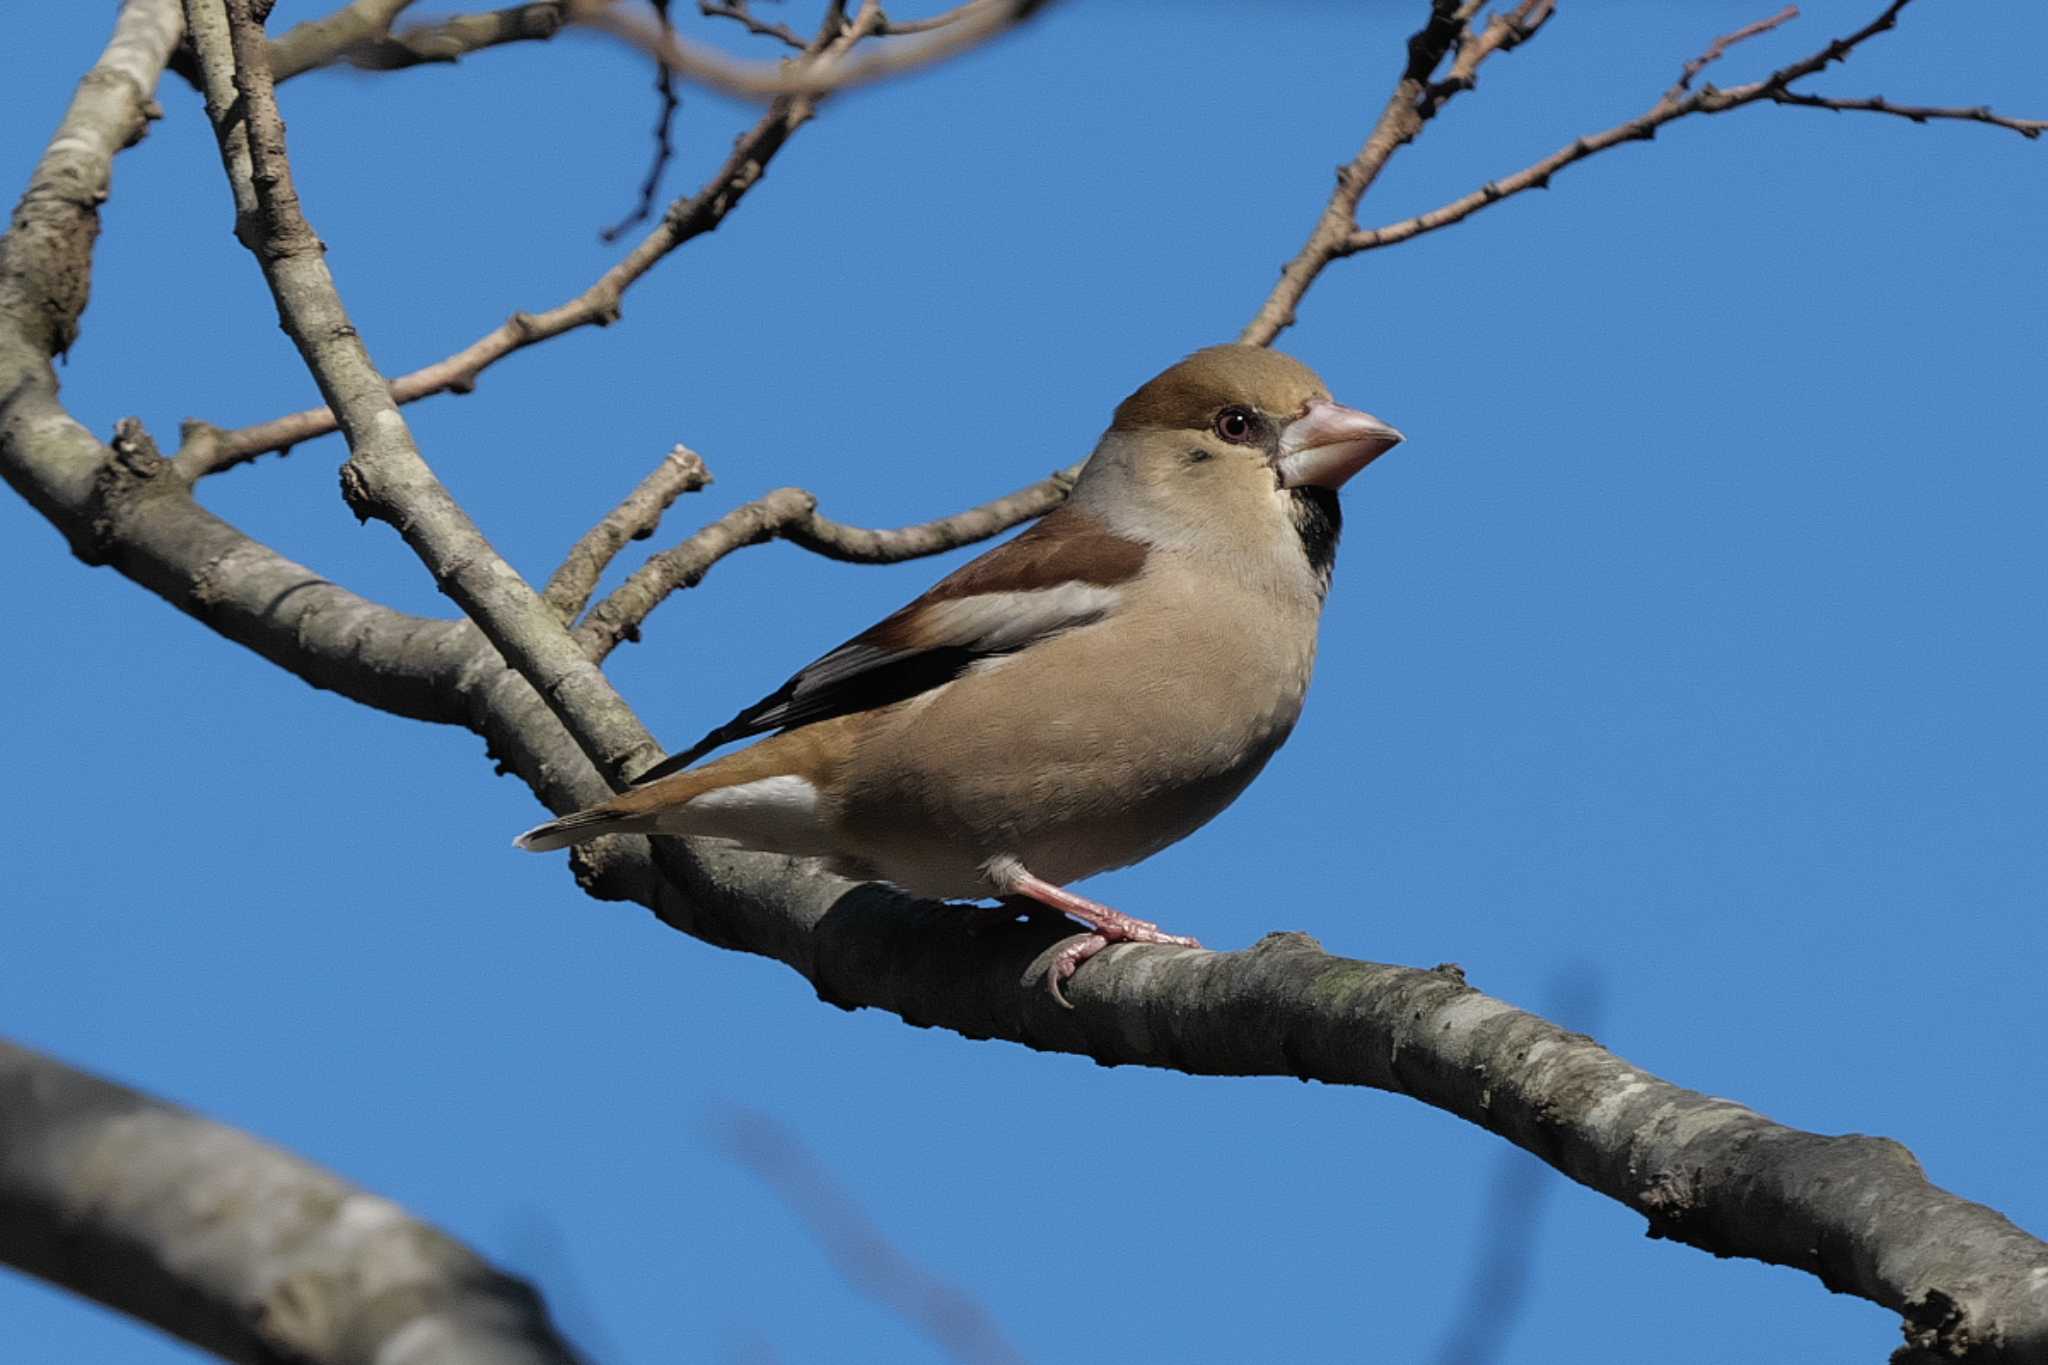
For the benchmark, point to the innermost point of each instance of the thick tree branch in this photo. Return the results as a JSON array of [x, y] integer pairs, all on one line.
[[385, 476], [120, 1197], [208, 450], [1337, 236], [792, 514]]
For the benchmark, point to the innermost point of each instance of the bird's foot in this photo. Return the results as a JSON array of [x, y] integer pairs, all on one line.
[[1109, 925]]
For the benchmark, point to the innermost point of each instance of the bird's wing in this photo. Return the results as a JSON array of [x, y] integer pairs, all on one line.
[[1068, 570]]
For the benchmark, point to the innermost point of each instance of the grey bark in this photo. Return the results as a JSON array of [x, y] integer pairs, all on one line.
[[238, 1247]]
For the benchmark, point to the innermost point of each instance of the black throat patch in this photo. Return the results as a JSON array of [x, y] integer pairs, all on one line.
[[1318, 520]]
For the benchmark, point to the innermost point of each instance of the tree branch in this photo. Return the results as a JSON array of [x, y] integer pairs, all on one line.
[[740, 11], [1414, 102], [1915, 113], [451, 39], [385, 476], [1337, 236], [681, 471], [209, 450], [792, 514], [119, 1197], [664, 142], [957, 31]]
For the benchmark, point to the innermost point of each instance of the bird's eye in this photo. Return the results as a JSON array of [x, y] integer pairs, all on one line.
[[1235, 424]]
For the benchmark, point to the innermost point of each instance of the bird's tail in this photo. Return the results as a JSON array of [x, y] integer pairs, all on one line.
[[581, 827]]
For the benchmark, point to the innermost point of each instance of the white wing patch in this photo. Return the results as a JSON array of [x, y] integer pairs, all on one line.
[[770, 814], [991, 622]]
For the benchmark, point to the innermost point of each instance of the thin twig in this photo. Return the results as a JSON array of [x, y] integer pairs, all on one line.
[[664, 140], [1325, 245], [1915, 113], [1414, 102], [1719, 48], [970, 26], [209, 450], [792, 514], [681, 471], [740, 11]]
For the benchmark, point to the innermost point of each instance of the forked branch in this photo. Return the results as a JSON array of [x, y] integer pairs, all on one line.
[[209, 450], [1337, 234], [792, 514]]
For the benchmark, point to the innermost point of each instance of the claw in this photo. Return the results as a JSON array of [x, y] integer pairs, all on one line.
[[1107, 926]]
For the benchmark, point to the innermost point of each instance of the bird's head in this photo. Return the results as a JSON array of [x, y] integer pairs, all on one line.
[[1236, 450]]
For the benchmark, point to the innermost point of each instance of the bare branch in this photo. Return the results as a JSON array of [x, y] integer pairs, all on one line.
[[740, 11], [316, 42], [1332, 241], [1414, 102], [953, 1319], [959, 30], [664, 140], [451, 39], [360, 35], [121, 1197], [385, 476], [1504, 32], [681, 471], [1915, 113], [792, 514], [209, 450], [1719, 48]]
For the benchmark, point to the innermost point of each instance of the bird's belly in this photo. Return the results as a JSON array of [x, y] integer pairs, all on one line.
[[1105, 773]]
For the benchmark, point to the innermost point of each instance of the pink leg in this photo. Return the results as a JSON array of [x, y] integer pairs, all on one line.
[[1110, 925]]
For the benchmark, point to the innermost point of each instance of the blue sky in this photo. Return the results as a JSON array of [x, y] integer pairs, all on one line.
[[1684, 671]]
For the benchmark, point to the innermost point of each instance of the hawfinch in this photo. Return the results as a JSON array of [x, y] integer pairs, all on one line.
[[1075, 699]]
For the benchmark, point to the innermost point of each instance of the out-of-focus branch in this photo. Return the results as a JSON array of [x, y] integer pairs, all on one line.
[[792, 514], [360, 35], [958, 1323], [1452, 26], [681, 471], [208, 450], [956, 31], [239, 1247], [317, 42], [453, 38], [385, 476], [1336, 234]]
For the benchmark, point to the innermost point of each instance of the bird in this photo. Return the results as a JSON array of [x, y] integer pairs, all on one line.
[[1077, 698]]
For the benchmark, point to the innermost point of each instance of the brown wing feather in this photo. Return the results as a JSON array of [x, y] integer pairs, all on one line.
[[904, 655]]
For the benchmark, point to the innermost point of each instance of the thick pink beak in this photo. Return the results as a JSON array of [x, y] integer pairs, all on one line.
[[1329, 443]]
